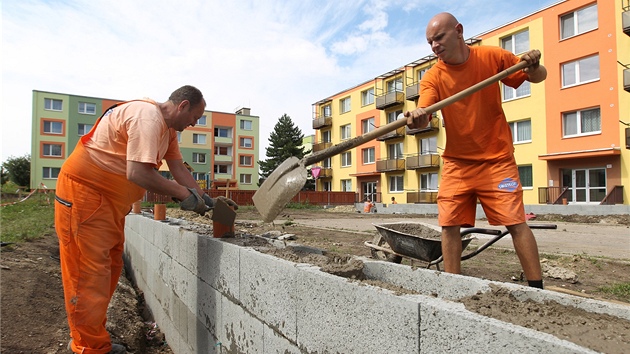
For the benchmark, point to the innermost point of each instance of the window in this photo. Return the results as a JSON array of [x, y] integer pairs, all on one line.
[[393, 116], [327, 163], [198, 157], [395, 151], [521, 131], [199, 176], [525, 175], [199, 139], [224, 169], [166, 174], [326, 185], [428, 146], [345, 132], [395, 85], [429, 182], [179, 137], [421, 72], [51, 150], [53, 127], [85, 128], [367, 97], [245, 142], [245, 160], [245, 178], [223, 132], [367, 125], [369, 155], [396, 184], [326, 136], [585, 122], [223, 150], [203, 120], [326, 111], [510, 93], [51, 172], [517, 43], [346, 185], [580, 71], [246, 124], [578, 22], [345, 105], [346, 159], [53, 105], [87, 108]]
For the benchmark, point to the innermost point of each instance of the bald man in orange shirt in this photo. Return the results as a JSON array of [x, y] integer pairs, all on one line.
[[479, 154]]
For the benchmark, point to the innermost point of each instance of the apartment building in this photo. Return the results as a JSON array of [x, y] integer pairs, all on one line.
[[571, 133], [221, 150]]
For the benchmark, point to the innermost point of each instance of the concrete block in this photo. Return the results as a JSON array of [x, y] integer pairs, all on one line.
[[204, 342], [219, 266], [208, 307], [276, 343], [240, 332]]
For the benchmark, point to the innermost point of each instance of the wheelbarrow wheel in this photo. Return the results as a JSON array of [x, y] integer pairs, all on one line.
[[383, 256]]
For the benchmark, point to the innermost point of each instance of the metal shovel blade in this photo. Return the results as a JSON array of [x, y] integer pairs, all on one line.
[[279, 188]]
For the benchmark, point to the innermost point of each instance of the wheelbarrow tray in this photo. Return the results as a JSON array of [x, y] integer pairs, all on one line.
[[415, 240]]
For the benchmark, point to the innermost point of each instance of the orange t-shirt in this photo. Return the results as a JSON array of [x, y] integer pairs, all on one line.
[[133, 131], [476, 128]]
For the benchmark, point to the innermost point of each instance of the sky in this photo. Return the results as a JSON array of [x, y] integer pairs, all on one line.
[[273, 56]]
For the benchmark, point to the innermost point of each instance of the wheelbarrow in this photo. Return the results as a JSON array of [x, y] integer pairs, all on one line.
[[421, 241]]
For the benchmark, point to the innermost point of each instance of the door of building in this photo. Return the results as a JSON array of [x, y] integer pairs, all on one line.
[[369, 191], [587, 185]]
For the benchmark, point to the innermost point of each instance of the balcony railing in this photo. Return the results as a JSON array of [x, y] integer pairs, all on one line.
[[321, 146], [398, 133], [423, 161], [325, 172], [386, 165], [433, 126], [412, 92], [390, 99], [552, 195], [322, 122], [422, 197]]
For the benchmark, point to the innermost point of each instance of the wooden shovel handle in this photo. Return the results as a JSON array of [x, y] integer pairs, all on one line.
[[401, 122]]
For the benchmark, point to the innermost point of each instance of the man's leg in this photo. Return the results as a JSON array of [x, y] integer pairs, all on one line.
[[452, 249], [527, 252]]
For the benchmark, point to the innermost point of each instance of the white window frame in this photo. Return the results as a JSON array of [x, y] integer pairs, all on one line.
[[522, 169], [327, 163], [50, 104], [221, 150], [246, 124], [369, 155], [50, 172], [429, 182], [367, 97], [245, 178], [222, 132], [52, 127], [345, 132], [395, 151], [82, 127], [246, 142], [420, 73], [87, 108], [199, 176], [575, 70], [346, 185], [578, 28], [395, 85], [199, 139], [203, 120], [222, 169], [327, 110], [346, 159], [577, 121], [393, 116], [243, 160], [49, 150], [396, 184], [326, 136], [367, 125], [428, 146], [518, 135], [198, 157], [516, 43], [345, 105], [179, 137]]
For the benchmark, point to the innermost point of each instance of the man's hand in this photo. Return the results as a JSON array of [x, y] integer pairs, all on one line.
[[211, 202], [417, 119], [533, 60], [194, 203]]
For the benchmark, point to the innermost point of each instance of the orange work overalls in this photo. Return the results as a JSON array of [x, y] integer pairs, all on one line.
[[90, 209]]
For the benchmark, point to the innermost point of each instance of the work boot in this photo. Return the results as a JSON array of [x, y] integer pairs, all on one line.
[[116, 348]]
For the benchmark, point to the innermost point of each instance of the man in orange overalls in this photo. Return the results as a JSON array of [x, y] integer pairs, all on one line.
[[111, 167], [479, 154]]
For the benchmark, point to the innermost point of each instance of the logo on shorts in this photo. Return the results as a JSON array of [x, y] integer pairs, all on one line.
[[508, 184]]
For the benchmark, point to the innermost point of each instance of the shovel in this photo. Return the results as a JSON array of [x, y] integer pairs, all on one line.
[[289, 178]]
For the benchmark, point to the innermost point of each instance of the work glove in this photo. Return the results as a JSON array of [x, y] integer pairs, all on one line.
[[194, 203], [211, 202]]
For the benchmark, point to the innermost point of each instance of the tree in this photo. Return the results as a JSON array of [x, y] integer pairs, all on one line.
[[4, 176], [285, 141], [19, 169]]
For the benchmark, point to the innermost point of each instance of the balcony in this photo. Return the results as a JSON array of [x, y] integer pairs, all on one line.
[[387, 165], [422, 197], [398, 133], [423, 161], [321, 146], [222, 158], [626, 80], [322, 122], [433, 126], [412, 92], [325, 172], [389, 100], [625, 21]]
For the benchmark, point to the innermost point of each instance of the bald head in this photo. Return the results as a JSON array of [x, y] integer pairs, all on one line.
[[445, 35], [442, 19]]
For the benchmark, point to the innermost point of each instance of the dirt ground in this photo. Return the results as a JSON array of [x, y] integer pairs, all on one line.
[[33, 318]]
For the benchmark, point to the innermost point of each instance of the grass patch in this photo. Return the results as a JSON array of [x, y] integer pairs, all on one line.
[[621, 291], [302, 205], [27, 220]]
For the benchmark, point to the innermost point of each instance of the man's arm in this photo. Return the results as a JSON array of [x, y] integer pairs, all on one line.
[[144, 175], [535, 72]]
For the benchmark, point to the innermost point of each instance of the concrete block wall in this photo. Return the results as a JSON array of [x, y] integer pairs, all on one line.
[[210, 296]]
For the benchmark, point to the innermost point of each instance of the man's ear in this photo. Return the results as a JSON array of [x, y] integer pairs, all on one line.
[[182, 105], [460, 30]]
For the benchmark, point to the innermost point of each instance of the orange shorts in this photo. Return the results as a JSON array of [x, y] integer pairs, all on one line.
[[495, 183]]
